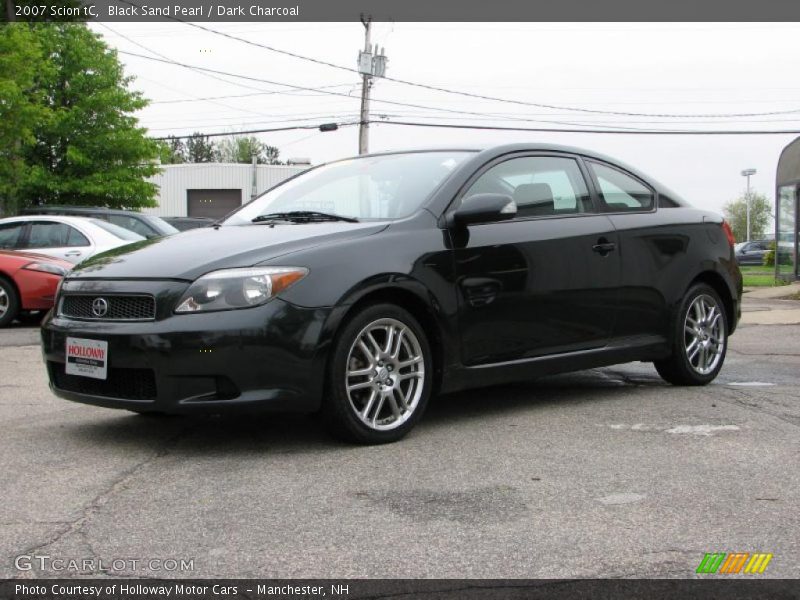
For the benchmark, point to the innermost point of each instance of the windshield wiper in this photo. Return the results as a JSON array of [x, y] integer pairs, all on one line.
[[303, 216]]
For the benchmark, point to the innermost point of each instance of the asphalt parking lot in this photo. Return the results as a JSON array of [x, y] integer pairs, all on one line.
[[603, 473]]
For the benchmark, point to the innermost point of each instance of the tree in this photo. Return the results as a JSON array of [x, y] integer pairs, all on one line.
[[22, 110], [85, 145], [760, 212], [200, 148], [173, 151], [271, 154], [241, 149]]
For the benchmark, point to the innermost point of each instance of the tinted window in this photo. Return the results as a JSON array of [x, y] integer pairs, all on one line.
[[54, 235], [621, 192], [117, 231], [9, 234], [133, 224], [540, 185]]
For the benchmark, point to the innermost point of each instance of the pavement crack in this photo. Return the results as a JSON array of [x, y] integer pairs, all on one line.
[[78, 524], [743, 353], [742, 398]]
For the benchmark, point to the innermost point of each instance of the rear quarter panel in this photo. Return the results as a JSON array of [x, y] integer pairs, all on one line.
[[662, 253]]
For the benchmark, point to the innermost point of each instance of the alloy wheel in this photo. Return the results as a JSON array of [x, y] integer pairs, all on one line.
[[704, 334], [3, 302], [385, 374]]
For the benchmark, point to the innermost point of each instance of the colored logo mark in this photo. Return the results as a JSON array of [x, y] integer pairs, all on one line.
[[733, 563]]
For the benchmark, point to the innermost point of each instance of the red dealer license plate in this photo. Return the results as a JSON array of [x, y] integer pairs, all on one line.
[[87, 358]]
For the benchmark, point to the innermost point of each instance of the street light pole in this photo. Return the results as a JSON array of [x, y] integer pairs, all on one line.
[[747, 173]]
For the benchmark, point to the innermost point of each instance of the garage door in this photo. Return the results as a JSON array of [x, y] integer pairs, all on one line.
[[212, 203]]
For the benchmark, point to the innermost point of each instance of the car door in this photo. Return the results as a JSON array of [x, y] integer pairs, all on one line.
[[545, 282], [58, 239], [652, 247]]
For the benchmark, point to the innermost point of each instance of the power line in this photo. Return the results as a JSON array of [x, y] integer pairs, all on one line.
[[352, 116], [222, 104], [478, 96], [608, 131], [491, 128], [342, 95], [605, 128], [265, 93], [251, 131]]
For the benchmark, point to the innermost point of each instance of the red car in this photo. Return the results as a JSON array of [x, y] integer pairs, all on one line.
[[28, 282]]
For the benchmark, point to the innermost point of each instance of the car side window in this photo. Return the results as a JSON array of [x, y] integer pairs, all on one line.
[[539, 185], [132, 224], [49, 234], [621, 192], [10, 234], [76, 239]]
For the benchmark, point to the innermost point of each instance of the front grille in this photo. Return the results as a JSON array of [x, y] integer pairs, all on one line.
[[127, 384], [118, 308]]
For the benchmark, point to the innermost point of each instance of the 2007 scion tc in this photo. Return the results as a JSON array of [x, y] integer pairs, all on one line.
[[362, 287]]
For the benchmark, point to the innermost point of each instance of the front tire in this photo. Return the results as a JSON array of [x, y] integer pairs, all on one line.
[[700, 339], [9, 302], [379, 378]]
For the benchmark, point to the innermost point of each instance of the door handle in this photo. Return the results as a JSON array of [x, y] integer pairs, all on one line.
[[603, 247], [73, 253]]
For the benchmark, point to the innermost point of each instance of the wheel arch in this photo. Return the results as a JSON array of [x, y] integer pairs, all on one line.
[[6, 277], [719, 285], [408, 297]]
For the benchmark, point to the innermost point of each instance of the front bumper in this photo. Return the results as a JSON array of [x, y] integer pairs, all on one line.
[[262, 358]]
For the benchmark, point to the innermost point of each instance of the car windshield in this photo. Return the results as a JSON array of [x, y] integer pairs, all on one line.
[[117, 231], [391, 186]]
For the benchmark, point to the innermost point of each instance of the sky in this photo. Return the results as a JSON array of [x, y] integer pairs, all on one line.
[[646, 68]]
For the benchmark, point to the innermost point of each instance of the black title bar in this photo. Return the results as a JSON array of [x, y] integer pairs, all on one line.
[[403, 10], [728, 588]]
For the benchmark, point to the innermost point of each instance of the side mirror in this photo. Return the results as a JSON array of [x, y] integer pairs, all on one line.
[[485, 208]]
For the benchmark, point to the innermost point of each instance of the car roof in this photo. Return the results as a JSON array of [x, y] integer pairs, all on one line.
[[31, 210], [72, 219]]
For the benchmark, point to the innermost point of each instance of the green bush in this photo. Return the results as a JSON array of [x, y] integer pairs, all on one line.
[[769, 255]]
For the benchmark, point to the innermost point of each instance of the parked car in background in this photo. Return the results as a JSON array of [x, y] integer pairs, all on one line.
[[28, 283], [362, 287], [148, 226], [69, 238], [752, 252], [186, 223]]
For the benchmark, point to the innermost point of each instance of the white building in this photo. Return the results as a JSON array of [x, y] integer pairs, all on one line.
[[213, 189]]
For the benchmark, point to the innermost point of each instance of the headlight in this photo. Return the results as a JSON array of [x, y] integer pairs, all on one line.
[[238, 288], [46, 268]]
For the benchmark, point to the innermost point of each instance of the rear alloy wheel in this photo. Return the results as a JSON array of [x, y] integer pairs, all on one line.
[[9, 302], [380, 376], [700, 339]]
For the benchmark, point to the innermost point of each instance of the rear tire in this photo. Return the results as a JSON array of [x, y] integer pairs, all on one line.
[[699, 339], [379, 377], [9, 302]]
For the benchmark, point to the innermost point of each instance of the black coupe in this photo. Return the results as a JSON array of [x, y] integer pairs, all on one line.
[[361, 287]]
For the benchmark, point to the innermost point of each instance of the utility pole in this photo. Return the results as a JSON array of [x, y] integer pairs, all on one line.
[[366, 84], [747, 173], [369, 65]]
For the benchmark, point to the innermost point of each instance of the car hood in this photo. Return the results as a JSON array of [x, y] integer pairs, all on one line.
[[192, 253]]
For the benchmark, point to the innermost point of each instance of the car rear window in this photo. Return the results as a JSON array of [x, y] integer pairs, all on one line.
[[115, 230]]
